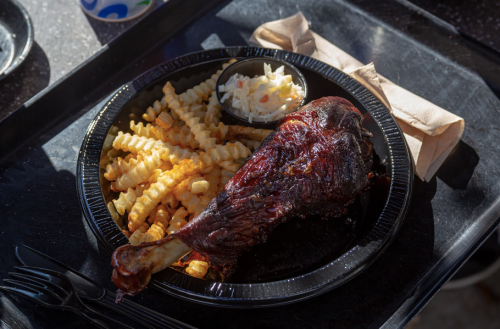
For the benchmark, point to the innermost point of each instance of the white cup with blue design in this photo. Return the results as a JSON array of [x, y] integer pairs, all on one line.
[[115, 10]]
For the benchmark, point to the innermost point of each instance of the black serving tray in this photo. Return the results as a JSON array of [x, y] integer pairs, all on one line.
[[448, 220]]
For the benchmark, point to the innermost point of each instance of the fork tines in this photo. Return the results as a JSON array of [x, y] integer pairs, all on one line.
[[42, 286]]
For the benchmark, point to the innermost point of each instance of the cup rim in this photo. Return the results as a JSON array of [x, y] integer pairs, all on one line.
[[116, 20]]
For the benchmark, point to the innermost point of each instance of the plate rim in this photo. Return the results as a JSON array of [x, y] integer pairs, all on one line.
[[400, 155]]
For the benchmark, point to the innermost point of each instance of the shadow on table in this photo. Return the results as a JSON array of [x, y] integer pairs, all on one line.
[[25, 82], [40, 208], [458, 168]]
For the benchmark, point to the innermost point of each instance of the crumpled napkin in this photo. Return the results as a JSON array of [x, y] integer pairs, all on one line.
[[430, 131]]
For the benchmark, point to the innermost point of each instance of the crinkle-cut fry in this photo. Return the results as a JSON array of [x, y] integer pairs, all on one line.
[[201, 92], [159, 227], [198, 93], [110, 156], [176, 137], [120, 166], [198, 185], [141, 130], [199, 129], [113, 212], [213, 113], [218, 131], [197, 269], [115, 169], [170, 201], [171, 98], [153, 111], [178, 220], [159, 190], [108, 142], [141, 172], [188, 199], [136, 144], [236, 132], [174, 154], [225, 176], [125, 201], [186, 168], [151, 216], [140, 235], [164, 120], [190, 97], [143, 227], [162, 215], [219, 153], [250, 143], [198, 108], [233, 166], [213, 178]]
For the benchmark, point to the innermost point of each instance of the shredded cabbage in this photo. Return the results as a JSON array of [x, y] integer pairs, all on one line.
[[263, 98]]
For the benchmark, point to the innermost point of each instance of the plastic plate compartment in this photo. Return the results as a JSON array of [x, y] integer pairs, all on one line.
[[304, 257]]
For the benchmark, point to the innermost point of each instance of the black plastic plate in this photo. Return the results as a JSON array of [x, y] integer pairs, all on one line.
[[380, 219]]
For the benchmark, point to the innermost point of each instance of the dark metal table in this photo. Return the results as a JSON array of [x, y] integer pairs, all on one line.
[[449, 218]]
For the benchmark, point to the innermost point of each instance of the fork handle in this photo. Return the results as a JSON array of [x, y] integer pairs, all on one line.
[[100, 320], [142, 315]]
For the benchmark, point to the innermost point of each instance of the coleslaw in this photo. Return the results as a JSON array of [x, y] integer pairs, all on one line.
[[263, 98]]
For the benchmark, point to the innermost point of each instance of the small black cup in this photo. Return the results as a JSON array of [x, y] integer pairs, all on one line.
[[251, 67]]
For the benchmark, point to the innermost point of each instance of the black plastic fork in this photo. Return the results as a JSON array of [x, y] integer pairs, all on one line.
[[54, 290]]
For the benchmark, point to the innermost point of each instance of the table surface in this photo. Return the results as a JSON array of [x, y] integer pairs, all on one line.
[[40, 203], [64, 38]]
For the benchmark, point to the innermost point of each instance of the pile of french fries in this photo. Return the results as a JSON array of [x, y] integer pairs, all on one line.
[[169, 169]]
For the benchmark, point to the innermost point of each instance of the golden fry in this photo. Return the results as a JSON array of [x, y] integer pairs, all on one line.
[[176, 137], [170, 201], [199, 129], [213, 111], [178, 220], [140, 173], [126, 200], [197, 268], [165, 120], [153, 111], [141, 130], [188, 199], [199, 185], [248, 133]]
